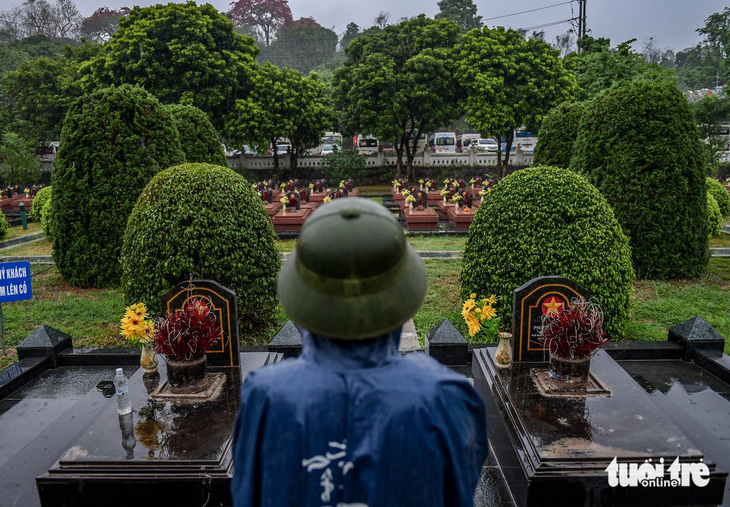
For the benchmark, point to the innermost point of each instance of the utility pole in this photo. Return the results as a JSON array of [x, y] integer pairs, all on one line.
[[581, 20]]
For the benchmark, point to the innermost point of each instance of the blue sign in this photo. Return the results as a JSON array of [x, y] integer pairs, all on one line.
[[15, 281]]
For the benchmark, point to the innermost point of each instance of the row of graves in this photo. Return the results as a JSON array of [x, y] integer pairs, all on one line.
[[290, 203], [12, 197], [424, 205]]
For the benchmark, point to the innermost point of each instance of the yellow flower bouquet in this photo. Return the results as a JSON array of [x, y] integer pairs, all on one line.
[[481, 317]]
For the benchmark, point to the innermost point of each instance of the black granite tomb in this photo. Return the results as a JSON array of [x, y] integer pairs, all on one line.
[[556, 450], [696, 333], [530, 302], [446, 344], [287, 341], [223, 303], [44, 341]]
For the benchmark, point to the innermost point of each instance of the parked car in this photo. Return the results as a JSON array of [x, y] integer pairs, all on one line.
[[327, 149], [489, 145]]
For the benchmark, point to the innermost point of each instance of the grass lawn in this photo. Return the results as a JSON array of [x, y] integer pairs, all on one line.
[[17, 231]]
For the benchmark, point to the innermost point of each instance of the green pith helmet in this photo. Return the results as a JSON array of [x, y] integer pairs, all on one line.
[[352, 274]]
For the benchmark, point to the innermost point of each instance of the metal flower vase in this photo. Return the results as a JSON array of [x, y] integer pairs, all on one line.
[[571, 373]]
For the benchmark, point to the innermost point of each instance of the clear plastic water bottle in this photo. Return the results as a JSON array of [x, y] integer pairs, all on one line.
[[124, 403]]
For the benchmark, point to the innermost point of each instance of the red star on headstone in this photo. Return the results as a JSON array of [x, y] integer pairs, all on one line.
[[552, 305]]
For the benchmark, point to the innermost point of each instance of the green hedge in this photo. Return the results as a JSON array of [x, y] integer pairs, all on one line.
[[721, 195], [112, 143], [714, 216], [4, 227], [206, 221], [198, 138], [557, 135], [46, 219], [639, 145], [544, 221], [43, 195]]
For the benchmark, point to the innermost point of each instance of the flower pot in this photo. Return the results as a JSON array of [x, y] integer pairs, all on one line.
[[571, 373], [503, 355], [187, 377], [148, 359]]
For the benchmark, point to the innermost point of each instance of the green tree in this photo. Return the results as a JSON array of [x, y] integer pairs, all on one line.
[[282, 104], [399, 82], [709, 112], [39, 92], [198, 138], [301, 48], [181, 53], [706, 64], [20, 164], [102, 24], [463, 12], [510, 82], [264, 16], [113, 142], [638, 144], [557, 134], [598, 66]]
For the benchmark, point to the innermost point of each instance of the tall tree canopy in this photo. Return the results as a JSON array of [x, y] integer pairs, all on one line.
[[265, 16], [301, 46], [282, 104], [510, 82], [39, 92], [399, 82], [706, 65], [100, 26], [181, 53], [463, 12], [598, 66], [39, 17]]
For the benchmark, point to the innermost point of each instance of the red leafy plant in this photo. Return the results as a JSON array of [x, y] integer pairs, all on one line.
[[576, 332], [188, 333]]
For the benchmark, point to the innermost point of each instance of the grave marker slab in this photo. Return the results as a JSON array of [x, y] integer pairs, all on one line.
[[541, 295], [223, 304]]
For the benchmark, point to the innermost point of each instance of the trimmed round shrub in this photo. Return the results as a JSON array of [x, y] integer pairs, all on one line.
[[198, 138], [43, 195], [557, 135], [112, 143], [205, 221], [638, 144], [4, 227], [543, 221], [721, 195], [714, 217], [46, 219]]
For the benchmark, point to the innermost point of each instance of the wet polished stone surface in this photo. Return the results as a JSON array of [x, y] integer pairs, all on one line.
[[562, 446]]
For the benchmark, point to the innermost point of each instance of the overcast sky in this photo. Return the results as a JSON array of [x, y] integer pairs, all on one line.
[[672, 23]]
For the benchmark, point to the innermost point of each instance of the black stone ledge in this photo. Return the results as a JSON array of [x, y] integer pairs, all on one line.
[[99, 356], [715, 362], [20, 373], [644, 350]]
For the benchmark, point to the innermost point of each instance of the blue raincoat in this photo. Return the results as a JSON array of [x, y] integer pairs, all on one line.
[[356, 424]]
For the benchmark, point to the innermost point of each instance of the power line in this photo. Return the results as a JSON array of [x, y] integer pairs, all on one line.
[[545, 25], [531, 10]]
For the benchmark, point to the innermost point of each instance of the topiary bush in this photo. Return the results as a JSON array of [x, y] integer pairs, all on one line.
[[557, 135], [548, 221], [638, 144], [43, 195], [198, 138], [46, 219], [206, 221], [721, 195], [714, 217], [4, 227], [112, 143]]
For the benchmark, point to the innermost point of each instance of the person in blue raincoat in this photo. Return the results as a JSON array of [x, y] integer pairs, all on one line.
[[351, 422]]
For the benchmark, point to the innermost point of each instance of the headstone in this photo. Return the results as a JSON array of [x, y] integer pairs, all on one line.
[[340, 192], [466, 197], [318, 186], [539, 296], [222, 302], [267, 195], [446, 344], [287, 340], [44, 341], [294, 200], [304, 194], [696, 333], [421, 199]]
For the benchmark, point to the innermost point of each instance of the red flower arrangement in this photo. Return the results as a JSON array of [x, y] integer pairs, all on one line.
[[576, 332], [187, 334]]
